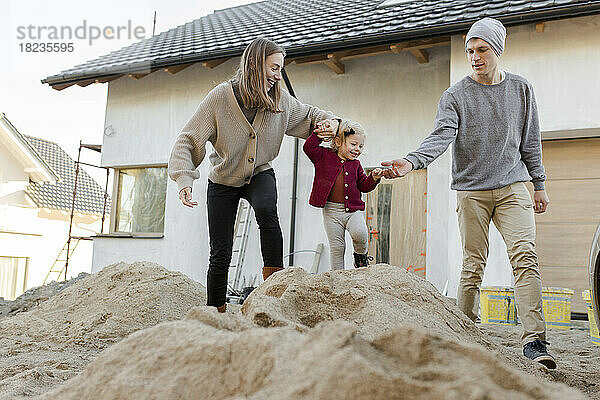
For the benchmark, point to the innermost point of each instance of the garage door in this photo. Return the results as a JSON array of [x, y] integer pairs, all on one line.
[[566, 230]]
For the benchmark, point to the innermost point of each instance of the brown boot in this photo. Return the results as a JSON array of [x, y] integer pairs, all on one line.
[[222, 308], [268, 271]]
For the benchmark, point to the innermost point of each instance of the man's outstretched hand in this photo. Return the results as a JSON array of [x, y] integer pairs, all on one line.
[[399, 168]]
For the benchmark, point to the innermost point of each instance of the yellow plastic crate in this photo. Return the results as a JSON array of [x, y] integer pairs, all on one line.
[[498, 305], [557, 307], [593, 325]]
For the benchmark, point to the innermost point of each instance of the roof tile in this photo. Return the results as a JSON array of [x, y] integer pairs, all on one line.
[[296, 24], [90, 196]]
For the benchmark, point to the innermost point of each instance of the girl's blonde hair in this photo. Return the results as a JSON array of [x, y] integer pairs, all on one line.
[[251, 76], [345, 129]]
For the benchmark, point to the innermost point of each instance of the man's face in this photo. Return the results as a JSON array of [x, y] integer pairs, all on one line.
[[482, 57]]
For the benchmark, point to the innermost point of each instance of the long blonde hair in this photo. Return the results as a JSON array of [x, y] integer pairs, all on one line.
[[251, 76]]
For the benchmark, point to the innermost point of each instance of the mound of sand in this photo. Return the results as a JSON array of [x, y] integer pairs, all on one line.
[[378, 300], [35, 296], [376, 333], [53, 342], [215, 356]]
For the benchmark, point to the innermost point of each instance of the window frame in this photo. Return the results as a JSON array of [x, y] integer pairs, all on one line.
[[113, 232]]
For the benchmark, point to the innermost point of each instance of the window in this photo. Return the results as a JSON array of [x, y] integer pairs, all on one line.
[[13, 276], [141, 194]]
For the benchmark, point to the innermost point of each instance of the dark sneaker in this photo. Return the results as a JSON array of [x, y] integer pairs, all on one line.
[[361, 260], [536, 351]]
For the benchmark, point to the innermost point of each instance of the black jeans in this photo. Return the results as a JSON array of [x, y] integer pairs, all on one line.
[[222, 202]]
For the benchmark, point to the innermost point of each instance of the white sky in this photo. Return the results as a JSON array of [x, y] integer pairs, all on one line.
[[75, 113]]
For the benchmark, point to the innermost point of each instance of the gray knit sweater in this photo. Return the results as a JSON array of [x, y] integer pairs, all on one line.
[[496, 135], [241, 149]]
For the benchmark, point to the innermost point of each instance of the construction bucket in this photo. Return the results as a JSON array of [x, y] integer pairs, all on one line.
[[593, 324], [498, 305], [557, 307]]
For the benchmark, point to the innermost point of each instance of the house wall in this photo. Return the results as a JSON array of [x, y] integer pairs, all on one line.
[[40, 234], [391, 95], [12, 177]]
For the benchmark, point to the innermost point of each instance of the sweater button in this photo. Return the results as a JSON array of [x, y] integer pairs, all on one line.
[[252, 136], [346, 173], [346, 185], [342, 161], [250, 159], [347, 209], [346, 197]]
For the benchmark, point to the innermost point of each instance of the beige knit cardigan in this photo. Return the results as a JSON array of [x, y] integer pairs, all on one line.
[[241, 150]]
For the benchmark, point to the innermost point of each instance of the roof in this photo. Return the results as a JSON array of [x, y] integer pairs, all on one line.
[[90, 196], [306, 27], [36, 168]]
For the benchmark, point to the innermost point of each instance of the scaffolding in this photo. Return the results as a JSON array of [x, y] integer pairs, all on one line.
[[67, 249]]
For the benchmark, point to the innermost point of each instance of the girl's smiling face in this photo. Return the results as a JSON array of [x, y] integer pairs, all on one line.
[[273, 66], [350, 147]]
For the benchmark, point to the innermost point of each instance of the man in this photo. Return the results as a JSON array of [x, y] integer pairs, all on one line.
[[491, 117]]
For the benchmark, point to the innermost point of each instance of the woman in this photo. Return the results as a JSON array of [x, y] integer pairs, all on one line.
[[245, 119]]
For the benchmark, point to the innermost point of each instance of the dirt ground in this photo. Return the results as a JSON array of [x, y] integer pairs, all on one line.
[[577, 357]]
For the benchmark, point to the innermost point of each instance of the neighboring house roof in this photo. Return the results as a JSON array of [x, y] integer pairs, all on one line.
[[90, 196], [306, 27], [34, 165]]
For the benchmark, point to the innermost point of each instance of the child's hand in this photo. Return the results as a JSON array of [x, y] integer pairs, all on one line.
[[377, 173]]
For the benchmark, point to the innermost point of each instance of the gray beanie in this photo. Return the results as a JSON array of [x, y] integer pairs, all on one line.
[[491, 30]]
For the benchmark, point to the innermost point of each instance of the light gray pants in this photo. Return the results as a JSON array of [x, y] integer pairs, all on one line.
[[337, 221]]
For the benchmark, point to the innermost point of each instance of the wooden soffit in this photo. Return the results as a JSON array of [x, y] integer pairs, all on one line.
[[334, 60]]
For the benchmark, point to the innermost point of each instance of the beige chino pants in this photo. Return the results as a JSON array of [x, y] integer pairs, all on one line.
[[511, 209]]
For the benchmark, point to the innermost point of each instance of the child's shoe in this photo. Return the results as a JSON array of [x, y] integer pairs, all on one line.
[[361, 260]]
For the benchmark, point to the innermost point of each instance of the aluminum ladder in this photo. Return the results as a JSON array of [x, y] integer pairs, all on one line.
[[241, 231]]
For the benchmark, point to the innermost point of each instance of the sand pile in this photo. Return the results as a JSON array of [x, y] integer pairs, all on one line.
[[213, 356], [35, 296], [54, 341], [376, 333], [377, 299]]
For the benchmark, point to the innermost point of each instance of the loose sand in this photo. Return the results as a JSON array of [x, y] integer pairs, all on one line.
[[191, 359], [371, 333], [53, 342], [577, 357], [35, 296]]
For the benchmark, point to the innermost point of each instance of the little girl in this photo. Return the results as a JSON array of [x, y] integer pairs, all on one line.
[[337, 186]]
